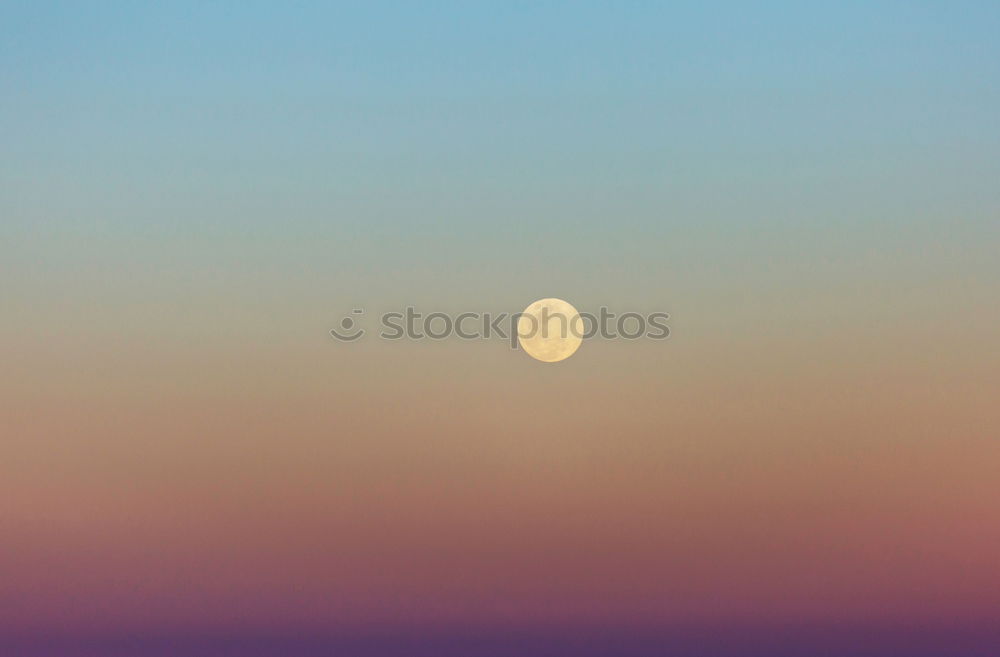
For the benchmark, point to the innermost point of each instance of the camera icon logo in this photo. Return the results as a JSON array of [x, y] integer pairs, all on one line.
[[347, 325]]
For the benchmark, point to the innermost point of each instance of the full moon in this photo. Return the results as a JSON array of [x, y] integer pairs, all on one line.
[[550, 330]]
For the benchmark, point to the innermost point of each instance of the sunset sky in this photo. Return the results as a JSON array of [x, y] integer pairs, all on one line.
[[193, 195]]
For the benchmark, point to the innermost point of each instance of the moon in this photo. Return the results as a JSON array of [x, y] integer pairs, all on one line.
[[560, 335]]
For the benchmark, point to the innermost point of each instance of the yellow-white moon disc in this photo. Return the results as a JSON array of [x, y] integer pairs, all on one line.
[[550, 330]]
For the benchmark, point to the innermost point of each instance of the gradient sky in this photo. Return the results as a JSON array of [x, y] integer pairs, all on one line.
[[192, 195]]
